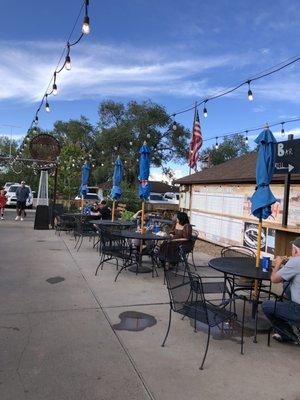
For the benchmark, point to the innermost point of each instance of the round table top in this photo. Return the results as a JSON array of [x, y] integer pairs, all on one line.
[[108, 222], [163, 221], [142, 236], [239, 266]]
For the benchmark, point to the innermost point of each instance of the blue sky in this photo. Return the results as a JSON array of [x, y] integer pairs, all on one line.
[[170, 51]]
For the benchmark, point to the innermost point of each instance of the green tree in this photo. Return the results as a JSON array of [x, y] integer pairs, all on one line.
[[122, 129], [231, 147]]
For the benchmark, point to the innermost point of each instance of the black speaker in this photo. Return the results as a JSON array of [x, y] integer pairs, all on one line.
[[42, 219]]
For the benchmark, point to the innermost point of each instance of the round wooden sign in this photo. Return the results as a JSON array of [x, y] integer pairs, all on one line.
[[44, 147]]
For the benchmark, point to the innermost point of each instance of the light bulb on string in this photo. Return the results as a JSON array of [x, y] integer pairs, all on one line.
[[282, 129], [217, 144], [250, 94], [54, 89], [130, 143], [102, 165], [36, 118], [47, 107], [148, 136], [246, 138], [205, 113], [174, 124], [86, 25], [68, 64]]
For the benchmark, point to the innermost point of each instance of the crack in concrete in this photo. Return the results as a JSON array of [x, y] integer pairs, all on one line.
[[21, 358], [14, 328]]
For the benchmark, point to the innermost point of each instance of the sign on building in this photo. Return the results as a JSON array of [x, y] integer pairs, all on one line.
[[287, 157]]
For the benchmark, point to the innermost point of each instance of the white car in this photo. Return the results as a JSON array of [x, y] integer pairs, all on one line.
[[172, 197], [89, 197], [156, 198], [12, 198]]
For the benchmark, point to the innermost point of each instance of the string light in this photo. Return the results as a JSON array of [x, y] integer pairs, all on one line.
[[148, 136], [47, 107], [205, 113], [68, 64], [250, 94], [217, 144], [282, 129], [86, 25], [86, 20], [246, 138], [174, 126]]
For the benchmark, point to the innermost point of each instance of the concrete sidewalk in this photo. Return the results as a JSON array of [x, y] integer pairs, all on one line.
[[63, 340]]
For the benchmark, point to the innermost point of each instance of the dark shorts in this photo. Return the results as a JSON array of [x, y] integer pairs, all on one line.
[[21, 205]]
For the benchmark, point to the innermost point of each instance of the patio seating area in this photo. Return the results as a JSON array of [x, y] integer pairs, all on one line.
[[111, 331]]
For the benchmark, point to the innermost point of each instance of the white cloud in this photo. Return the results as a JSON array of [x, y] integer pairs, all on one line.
[[157, 175], [105, 70]]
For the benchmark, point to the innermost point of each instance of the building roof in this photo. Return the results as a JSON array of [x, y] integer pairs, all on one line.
[[236, 170], [162, 187]]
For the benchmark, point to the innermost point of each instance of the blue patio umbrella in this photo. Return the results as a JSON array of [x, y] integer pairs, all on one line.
[[116, 190], [144, 188], [263, 198], [84, 182]]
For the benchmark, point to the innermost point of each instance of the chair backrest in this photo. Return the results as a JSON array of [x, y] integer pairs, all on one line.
[[237, 251], [186, 292]]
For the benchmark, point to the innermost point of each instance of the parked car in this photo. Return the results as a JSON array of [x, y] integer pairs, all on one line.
[[12, 198], [156, 198], [90, 197], [8, 184], [172, 197]]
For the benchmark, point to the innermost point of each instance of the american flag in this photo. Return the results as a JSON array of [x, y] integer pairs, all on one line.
[[196, 142]]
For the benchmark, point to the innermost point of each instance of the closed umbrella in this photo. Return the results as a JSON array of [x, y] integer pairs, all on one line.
[[263, 198], [144, 188], [84, 182], [116, 190]]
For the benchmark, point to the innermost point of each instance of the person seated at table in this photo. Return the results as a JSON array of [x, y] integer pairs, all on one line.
[[94, 211], [180, 235], [282, 314], [105, 211]]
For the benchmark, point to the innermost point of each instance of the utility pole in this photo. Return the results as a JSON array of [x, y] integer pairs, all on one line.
[[10, 142]]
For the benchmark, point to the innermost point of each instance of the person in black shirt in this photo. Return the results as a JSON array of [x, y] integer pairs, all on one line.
[[105, 211]]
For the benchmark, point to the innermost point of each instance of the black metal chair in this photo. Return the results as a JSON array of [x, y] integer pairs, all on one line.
[[113, 247], [64, 223], [188, 298], [83, 229], [241, 284]]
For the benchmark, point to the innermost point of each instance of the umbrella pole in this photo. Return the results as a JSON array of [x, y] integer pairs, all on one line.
[[113, 211], [81, 204], [142, 226], [257, 264]]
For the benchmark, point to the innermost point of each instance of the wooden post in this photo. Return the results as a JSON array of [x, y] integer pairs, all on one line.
[[113, 211], [286, 197]]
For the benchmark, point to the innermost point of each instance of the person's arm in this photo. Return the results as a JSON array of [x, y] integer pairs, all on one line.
[[136, 215], [275, 276]]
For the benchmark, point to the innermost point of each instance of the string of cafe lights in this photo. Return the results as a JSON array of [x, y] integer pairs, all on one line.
[[52, 88], [270, 71], [246, 131]]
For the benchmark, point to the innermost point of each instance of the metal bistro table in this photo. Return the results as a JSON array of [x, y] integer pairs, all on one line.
[[243, 267], [126, 234], [108, 222]]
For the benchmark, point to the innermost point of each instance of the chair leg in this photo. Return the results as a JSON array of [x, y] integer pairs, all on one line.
[[169, 326], [269, 337], [206, 349], [80, 240], [100, 264], [243, 323]]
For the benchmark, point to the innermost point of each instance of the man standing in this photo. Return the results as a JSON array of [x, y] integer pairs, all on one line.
[[22, 194], [283, 314]]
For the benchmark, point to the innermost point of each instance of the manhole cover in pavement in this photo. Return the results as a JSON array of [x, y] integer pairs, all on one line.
[[134, 321], [55, 279]]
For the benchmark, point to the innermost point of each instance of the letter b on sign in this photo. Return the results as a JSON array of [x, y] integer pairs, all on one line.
[[280, 150]]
